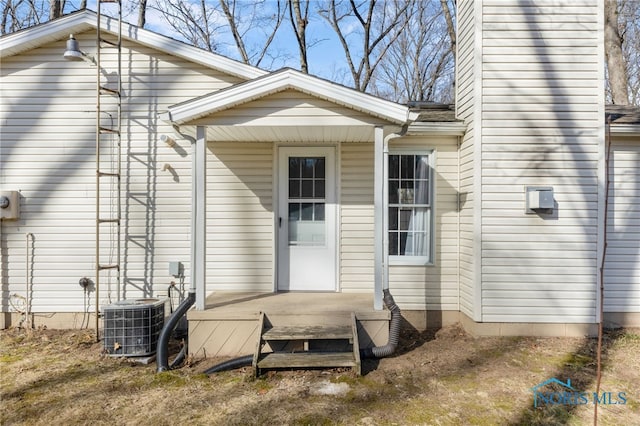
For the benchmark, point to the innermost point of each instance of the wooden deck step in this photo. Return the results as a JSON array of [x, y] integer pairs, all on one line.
[[308, 333], [306, 360], [338, 331]]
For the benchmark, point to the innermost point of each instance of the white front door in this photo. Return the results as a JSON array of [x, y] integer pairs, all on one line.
[[307, 219]]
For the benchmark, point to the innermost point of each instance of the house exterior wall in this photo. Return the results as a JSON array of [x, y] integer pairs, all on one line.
[[240, 219], [467, 109], [622, 261], [285, 109], [420, 288], [47, 153], [356, 217], [542, 124], [433, 287]]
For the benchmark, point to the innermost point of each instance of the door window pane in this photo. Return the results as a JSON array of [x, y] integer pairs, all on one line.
[[294, 188], [319, 189], [307, 189], [307, 183], [319, 168], [308, 164]]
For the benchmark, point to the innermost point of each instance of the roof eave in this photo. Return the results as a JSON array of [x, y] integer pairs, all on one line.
[[285, 80], [625, 129], [437, 128], [60, 28]]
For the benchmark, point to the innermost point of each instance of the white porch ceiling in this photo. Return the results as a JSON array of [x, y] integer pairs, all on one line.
[[291, 134]]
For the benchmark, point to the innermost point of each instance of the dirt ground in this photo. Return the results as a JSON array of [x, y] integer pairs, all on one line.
[[52, 377]]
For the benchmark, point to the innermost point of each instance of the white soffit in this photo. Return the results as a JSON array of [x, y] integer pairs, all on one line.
[[625, 129], [452, 128], [78, 22], [280, 81]]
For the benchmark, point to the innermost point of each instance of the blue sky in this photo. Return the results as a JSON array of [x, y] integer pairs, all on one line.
[[326, 57]]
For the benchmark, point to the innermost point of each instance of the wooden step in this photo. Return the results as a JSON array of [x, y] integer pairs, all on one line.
[[308, 333], [307, 360], [333, 327]]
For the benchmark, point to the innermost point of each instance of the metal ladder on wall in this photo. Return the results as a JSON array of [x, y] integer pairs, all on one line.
[[108, 160]]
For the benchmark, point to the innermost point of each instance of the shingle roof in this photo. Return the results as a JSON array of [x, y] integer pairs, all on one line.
[[622, 114], [433, 112]]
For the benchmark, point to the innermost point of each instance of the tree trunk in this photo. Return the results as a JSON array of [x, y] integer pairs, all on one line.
[[451, 28], [616, 67], [55, 9], [142, 13], [299, 21]]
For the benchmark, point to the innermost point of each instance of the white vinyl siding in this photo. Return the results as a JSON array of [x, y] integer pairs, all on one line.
[[542, 124], [466, 106], [433, 287], [356, 218], [47, 152], [240, 221], [287, 108], [622, 267]]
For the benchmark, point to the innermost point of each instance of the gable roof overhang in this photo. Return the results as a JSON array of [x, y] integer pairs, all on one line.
[[78, 22], [386, 112]]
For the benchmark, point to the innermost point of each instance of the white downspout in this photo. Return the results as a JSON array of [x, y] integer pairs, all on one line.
[[382, 208], [198, 217]]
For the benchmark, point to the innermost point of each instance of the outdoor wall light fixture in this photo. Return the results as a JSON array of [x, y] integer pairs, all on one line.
[[168, 140], [73, 52]]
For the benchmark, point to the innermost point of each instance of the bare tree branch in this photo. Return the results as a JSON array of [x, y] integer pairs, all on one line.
[[379, 25], [234, 29], [419, 64]]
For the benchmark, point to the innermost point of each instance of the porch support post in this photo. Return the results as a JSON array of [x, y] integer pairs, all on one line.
[[378, 215], [198, 217]]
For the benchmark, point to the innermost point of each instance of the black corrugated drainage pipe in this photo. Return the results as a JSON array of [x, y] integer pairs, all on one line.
[[243, 361], [167, 330], [394, 331], [375, 352]]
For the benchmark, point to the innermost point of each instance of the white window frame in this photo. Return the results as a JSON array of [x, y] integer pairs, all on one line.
[[429, 259]]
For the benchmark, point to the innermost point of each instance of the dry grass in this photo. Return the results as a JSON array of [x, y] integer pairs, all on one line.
[[447, 378]]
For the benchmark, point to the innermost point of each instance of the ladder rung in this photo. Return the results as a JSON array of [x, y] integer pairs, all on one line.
[[108, 220], [104, 174], [107, 130], [103, 267], [109, 91]]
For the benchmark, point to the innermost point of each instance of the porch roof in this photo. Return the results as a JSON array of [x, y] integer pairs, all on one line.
[[386, 112]]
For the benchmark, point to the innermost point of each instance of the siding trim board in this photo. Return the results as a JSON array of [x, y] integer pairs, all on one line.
[[478, 88]]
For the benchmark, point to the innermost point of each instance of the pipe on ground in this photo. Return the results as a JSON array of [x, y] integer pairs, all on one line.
[[167, 330], [231, 364]]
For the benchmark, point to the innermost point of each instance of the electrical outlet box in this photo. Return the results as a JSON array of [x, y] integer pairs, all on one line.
[[9, 205], [176, 269], [539, 199]]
